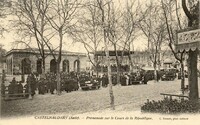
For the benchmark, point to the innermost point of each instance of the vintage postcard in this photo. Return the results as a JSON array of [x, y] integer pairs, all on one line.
[[100, 62]]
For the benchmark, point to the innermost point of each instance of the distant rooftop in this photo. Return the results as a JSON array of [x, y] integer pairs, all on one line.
[[113, 53], [36, 51]]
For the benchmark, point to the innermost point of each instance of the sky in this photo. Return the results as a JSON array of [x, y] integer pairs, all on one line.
[[9, 37]]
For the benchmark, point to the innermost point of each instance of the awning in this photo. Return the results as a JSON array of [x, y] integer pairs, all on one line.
[[187, 47], [188, 39]]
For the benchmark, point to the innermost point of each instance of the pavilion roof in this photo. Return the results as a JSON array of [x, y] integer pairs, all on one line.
[[36, 51], [113, 53]]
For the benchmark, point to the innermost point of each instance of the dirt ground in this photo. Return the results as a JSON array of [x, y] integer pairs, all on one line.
[[127, 99]]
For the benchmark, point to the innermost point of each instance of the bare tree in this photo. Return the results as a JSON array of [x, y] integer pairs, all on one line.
[[31, 22], [88, 32], [115, 33], [154, 29], [105, 9], [62, 20], [173, 24], [130, 29], [193, 22]]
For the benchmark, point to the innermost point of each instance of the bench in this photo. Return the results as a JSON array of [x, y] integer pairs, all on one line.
[[173, 95], [15, 96]]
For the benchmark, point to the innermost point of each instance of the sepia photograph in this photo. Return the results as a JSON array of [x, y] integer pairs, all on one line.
[[100, 62]]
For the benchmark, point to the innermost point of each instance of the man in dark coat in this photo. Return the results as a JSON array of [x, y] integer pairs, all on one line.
[[3, 88], [33, 84], [104, 80], [123, 80], [41, 87], [28, 85], [52, 87], [67, 85], [12, 87], [145, 75], [26, 90], [75, 84], [20, 88], [52, 83], [3, 76]]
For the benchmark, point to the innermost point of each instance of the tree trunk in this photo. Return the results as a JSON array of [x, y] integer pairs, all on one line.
[[43, 68], [192, 60], [155, 72], [192, 76], [58, 78], [110, 80], [118, 66], [105, 37], [96, 70], [58, 62], [182, 77], [130, 62], [109, 73], [159, 62], [96, 64]]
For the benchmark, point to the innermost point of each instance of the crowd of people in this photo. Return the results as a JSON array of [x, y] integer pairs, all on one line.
[[16, 88], [13, 89], [126, 79], [122, 68], [85, 79], [48, 84], [69, 82], [45, 84]]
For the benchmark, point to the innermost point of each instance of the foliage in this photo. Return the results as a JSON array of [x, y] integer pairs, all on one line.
[[171, 106]]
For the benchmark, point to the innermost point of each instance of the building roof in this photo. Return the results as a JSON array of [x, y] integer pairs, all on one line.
[[113, 53], [168, 61], [36, 51]]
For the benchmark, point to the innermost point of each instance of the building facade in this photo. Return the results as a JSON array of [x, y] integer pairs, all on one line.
[[20, 61], [167, 60], [123, 58]]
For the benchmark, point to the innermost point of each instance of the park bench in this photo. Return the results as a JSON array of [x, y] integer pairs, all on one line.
[[15, 96], [173, 95]]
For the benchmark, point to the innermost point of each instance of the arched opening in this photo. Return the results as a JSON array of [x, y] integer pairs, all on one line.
[[77, 65], [39, 66], [66, 66], [26, 66], [53, 66]]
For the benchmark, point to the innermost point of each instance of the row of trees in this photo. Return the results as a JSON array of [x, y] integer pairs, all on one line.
[[99, 24], [44, 20]]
